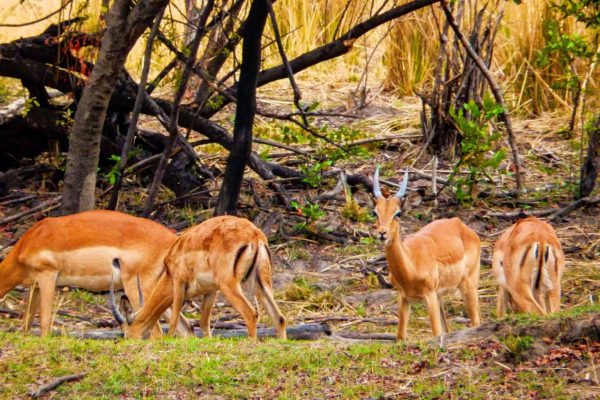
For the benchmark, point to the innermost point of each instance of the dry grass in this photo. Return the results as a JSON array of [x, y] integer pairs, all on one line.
[[530, 89]]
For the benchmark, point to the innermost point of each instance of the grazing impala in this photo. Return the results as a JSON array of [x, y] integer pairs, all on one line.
[[528, 262], [219, 254], [441, 256], [78, 250]]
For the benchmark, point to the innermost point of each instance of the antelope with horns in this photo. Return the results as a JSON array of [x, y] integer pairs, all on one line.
[[443, 255], [78, 251], [221, 253], [528, 262]]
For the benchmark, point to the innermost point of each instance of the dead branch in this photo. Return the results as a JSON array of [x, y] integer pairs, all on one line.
[[54, 384], [494, 87], [175, 109], [553, 212], [46, 206]]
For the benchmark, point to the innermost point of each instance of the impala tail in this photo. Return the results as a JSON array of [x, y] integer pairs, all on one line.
[[111, 298]]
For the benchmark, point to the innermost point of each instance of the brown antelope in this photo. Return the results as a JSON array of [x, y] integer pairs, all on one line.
[[441, 256], [528, 262], [219, 254], [78, 250]]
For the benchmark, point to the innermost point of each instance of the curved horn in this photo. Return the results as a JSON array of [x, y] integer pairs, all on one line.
[[402, 191], [376, 189], [111, 300]]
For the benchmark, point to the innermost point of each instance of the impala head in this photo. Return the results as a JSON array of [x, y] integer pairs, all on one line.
[[388, 210]]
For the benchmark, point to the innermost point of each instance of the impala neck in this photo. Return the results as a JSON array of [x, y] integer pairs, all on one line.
[[10, 274], [398, 258]]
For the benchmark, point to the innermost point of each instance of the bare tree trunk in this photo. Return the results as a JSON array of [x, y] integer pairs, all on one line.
[[591, 165], [124, 26], [245, 110], [139, 101]]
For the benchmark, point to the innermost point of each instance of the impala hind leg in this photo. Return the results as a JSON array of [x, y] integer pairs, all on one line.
[[403, 313], [237, 299], [553, 300], [32, 307], [468, 288], [502, 302], [433, 308], [207, 305], [47, 284], [265, 296], [524, 301]]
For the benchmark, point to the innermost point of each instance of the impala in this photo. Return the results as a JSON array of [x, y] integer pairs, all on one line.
[[441, 256], [221, 253], [528, 262], [77, 251]]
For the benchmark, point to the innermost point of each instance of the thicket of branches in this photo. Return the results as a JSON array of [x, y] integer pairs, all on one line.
[[102, 121]]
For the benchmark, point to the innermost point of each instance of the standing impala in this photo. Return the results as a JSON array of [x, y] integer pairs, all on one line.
[[78, 250], [441, 256], [219, 254], [528, 262]]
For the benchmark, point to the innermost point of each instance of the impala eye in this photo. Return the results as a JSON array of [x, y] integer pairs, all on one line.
[[398, 214], [374, 214]]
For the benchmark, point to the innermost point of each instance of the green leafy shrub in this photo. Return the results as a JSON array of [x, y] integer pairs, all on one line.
[[478, 145]]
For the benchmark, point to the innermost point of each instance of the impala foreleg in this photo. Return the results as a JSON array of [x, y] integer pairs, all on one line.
[[403, 313], [32, 307], [208, 303], [433, 308], [177, 305], [445, 324], [47, 283]]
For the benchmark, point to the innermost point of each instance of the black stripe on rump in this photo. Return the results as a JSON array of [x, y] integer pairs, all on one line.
[[523, 258], [238, 255], [252, 266], [538, 278]]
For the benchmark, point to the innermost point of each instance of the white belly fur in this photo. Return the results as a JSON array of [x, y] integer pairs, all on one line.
[[90, 267]]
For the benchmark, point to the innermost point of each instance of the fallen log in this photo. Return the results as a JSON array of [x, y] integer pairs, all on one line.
[[54, 384], [298, 332], [566, 330]]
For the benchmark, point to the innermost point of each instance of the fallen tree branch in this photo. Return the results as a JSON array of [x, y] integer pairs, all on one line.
[[553, 212], [47, 205], [299, 332], [333, 49], [54, 384]]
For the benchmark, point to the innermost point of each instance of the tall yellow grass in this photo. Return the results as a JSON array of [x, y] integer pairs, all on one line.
[[530, 89]]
